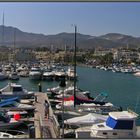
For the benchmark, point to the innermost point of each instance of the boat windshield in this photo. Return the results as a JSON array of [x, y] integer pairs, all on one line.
[[119, 124], [4, 117], [16, 104], [15, 89]]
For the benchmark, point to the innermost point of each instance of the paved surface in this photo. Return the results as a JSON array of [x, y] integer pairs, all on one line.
[[44, 127]]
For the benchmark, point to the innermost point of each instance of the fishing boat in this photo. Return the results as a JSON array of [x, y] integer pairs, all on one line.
[[15, 90], [118, 125]]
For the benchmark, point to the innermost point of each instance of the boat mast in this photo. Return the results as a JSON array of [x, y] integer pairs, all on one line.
[[75, 28], [14, 54]]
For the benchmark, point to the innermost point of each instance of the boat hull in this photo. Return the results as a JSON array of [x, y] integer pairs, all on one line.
[[23, 96]]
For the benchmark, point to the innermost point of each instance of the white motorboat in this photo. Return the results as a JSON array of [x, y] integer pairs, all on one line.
[[14, 134], [118, 125], [70, 73], [4, 135], [13, 89], [35, 73], [22, 114], [137, 73], [13, 105]]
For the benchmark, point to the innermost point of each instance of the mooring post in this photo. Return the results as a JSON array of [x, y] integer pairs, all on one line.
[[39, 87]]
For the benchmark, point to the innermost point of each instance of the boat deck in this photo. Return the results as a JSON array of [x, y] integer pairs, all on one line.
[[44, 127]]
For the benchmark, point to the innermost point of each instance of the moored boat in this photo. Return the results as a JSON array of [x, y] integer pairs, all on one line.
[[12, 90], [118, 125]]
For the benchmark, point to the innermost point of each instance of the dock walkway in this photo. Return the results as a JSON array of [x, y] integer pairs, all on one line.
[[44, 127]]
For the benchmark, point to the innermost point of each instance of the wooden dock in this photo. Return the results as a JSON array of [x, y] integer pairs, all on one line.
[[45, 127]]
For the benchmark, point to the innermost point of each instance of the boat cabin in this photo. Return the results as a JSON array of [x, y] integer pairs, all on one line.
[[17, 88], [118, 125]]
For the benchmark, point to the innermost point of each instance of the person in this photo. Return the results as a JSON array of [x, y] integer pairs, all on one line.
[[46, 104], [35, 98]]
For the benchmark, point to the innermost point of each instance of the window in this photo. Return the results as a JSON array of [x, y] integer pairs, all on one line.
[[119, 124], [104, 133], [5, 135], [101, 125], [114, 133]]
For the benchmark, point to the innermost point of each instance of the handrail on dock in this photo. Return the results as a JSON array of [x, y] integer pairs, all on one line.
[[131, 111]]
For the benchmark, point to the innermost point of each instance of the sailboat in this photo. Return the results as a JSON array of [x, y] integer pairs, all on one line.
[[14, 75]]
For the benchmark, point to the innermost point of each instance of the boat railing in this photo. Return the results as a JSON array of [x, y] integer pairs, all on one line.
[[56, 126], [41, 127], [131, 111]]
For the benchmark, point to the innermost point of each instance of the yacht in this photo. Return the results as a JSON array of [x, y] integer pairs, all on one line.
[[35, 73], [12, 90], [118, 125]]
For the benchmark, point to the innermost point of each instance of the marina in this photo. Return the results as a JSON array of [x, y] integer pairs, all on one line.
[[93, 101], [80, 84]]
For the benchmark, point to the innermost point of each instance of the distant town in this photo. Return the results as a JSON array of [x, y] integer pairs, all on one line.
[[94, 57]]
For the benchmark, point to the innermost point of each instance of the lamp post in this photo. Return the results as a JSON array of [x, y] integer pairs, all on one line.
[[75, 49], [63, 84]]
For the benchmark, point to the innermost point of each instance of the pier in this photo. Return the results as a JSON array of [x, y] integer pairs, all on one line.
[[44, 127]]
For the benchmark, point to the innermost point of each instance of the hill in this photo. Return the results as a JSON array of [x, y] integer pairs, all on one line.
[[25, 39]]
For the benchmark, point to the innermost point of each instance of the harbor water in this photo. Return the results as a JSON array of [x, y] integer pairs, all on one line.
[[122, 89]]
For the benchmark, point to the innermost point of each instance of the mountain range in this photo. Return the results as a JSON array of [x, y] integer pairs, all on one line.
[[32, 40]]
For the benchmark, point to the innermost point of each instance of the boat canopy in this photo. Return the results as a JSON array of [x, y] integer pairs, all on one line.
[[86, 119]]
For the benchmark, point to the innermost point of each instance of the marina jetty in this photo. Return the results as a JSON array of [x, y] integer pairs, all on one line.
[[30, 114], [44, 127]]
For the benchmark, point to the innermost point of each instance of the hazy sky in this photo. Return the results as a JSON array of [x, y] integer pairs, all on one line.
[[93, 18]]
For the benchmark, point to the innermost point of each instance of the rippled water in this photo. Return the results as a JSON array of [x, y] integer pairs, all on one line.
[[123, 89]]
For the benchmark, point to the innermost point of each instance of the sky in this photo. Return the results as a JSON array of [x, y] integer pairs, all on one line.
[[92, 18]]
